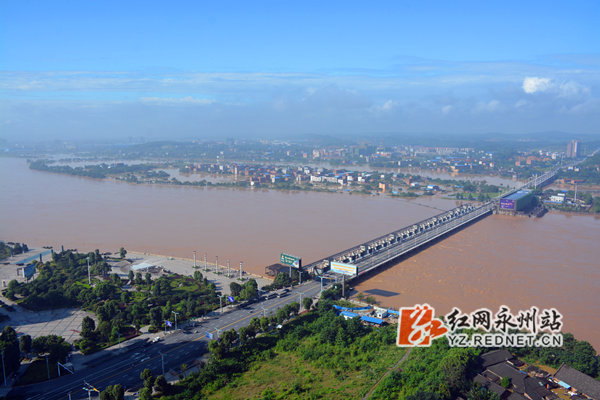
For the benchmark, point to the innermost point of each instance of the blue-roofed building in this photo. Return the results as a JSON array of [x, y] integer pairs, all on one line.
[[348, 314], [371, 320]]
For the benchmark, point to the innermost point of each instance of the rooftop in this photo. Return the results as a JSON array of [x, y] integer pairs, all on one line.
[[580, 381], [518, 195]]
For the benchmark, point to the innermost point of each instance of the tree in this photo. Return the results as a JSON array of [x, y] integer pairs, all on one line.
[[264, 323], [282, 315], [307, 302], [9, 344], [505, 382], [148, 378], [145, 393], [282, 279], [130, 276], [56, 346], [116, 280], [584, 358], [254, 324], [148, 279], [423, 396], [229, 337], [122, 252], [88, 326], [25, 344], [243, 332], [216, 349], [125, 297], [250, 289], [198, 275], [17, 249], [138, 278], [156, 316], [235, 288], [161, 385]]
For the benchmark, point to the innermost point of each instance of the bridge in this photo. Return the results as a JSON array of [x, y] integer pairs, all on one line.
[[369, 256]]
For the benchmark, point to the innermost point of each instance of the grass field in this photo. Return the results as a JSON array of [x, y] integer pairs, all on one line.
[[288, 375]]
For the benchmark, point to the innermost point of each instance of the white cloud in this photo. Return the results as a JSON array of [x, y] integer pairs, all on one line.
[[534, 84], [490, 106], [172, 100], [388, 105], [446, 109], [573, 89], [521, 103]]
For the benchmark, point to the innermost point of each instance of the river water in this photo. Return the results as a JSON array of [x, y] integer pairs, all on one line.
[[520, 262]]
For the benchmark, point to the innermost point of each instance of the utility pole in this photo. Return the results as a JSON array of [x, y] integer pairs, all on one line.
[[220, 304], [194, 258], [228, 268], [47, 367], [205, 263], [162, 360], [241, 273], [176, 313], [300, 293], [89, 276], [3, 371], [217, 265]]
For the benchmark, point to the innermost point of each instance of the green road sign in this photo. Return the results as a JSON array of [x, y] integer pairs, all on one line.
[[292, 261]]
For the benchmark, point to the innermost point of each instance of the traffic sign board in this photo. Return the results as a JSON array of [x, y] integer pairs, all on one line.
[[290, 260]]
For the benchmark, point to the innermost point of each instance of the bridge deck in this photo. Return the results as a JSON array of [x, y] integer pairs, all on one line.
[[379, 251]]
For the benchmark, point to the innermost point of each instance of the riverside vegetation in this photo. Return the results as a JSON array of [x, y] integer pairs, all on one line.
[[121, 306]]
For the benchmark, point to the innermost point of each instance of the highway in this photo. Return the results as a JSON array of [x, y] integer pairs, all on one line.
[[183, 346]]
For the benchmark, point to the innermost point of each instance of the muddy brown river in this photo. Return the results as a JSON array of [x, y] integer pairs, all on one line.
[[520, 262]]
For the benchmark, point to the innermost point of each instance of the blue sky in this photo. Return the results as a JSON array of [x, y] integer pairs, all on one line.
[[190, 69]]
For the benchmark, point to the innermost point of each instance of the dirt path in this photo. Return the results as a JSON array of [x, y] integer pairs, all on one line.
[[389, 371]]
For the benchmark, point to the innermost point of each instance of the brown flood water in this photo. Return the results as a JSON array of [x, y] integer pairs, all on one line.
[[520, 262], [502, 260]]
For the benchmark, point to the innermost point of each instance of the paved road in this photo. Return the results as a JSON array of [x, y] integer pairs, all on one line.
[[183, 346]]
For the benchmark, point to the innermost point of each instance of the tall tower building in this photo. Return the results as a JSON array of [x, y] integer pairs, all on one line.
[[573, 149]]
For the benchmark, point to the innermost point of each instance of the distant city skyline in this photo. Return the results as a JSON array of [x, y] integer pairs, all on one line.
[[192, 69]]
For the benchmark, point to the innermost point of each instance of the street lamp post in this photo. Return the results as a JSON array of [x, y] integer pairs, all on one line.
[[241, 264], [3, 371], [300, 293], [194, 258], [176, 313], [228, 268], [162, 360], [47, 367], [217, 264], [89, 276], [205, 262]]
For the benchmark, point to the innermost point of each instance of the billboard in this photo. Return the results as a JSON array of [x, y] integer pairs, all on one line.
[[27, 272], [346, 269], [290, 260], [507, 204]]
